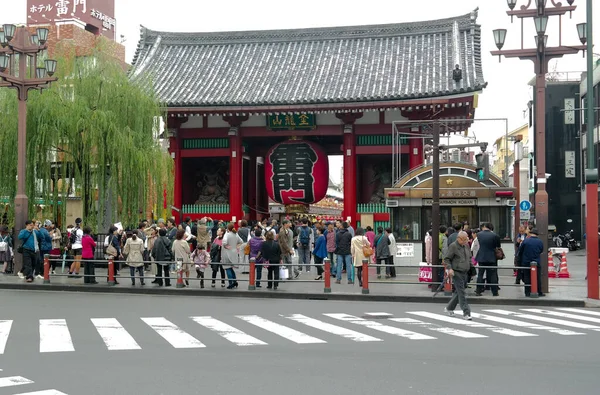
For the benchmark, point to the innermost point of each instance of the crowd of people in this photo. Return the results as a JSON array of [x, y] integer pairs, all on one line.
[[155, 249]]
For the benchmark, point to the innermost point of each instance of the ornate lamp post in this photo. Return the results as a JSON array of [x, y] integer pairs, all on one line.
[[19, 70], [540, 56]]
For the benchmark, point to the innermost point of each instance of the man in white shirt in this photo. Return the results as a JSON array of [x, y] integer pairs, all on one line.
[[76, 246], [393, 250]]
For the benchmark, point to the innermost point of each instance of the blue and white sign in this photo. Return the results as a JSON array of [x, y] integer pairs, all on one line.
[[525, 205]]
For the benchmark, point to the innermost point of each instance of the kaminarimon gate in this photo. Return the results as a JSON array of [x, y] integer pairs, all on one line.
[[233, 97]]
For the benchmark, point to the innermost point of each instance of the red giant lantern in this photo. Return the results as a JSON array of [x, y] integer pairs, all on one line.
[[296, 172]]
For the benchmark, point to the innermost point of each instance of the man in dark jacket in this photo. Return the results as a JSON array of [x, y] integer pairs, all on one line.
[[343, 240], [161, 252], [530, 251], [486, 256], [458, 264]]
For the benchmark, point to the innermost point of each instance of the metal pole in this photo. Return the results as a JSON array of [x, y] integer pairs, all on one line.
[[435, 205], [517, 182], [541, 196], [506, 152], [591, 179]]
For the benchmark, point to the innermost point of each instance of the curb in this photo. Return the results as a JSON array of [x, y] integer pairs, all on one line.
[[290, 295]]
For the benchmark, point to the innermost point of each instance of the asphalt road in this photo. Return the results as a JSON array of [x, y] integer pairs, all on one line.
[[120, 344]]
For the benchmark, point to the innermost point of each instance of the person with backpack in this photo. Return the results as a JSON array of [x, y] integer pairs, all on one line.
[[305, 243], [161, 253], [6, 245], [29, 247], [75, 244], [382, 252]]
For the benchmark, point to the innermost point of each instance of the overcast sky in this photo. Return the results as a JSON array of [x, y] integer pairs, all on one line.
[[505, 97]]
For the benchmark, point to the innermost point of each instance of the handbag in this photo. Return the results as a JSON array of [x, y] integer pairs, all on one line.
[[247, 249], [367, 250], [20, 249], [425, 274], [111, 250], [4, 244], [499, 253], [284, 273]]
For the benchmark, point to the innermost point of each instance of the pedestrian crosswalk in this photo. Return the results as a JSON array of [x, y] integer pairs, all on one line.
[[130, 333], [17, 381]]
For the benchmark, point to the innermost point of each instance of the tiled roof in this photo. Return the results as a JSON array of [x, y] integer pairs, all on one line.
[[312, 66]]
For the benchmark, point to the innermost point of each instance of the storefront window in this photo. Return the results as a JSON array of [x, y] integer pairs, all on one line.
[[406, 223], [499, 217]]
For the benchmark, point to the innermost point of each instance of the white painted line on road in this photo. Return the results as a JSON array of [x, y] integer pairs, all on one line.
[[4, 332], [330, 328], [437, 328], [230, 333], [14, 380], [55, 336], [114, 335], [545, 319], [378, 326], [564, 315], [582, 311], [43, 392], [283, 331], [172, 333], [527, 325], [460, 321], [379, 314]]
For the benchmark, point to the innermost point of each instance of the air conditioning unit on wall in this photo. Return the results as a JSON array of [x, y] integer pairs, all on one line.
[[392, 203]]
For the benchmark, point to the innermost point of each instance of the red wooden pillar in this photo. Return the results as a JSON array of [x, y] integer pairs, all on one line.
[[175, 145], [349, 155], [415, 158], [251, 182], [236, 198]]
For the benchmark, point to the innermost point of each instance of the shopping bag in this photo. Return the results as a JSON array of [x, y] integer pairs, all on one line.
[[284, 273], [425, 275]]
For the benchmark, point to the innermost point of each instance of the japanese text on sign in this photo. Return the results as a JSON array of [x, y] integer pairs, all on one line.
[[291, 122], [107, 22], [62, 7], [569, 164], [405, 250]]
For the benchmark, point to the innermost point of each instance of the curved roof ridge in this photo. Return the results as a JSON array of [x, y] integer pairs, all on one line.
[[464, 21]]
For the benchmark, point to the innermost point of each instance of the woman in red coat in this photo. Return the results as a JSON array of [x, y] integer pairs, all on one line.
[[87, 255]]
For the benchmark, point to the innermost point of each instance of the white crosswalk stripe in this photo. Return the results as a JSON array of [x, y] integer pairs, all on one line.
[[564, 315], [43, 392], [527, 325], [495, 329], [4, 332], [13, 381], [437, 328], [581, 311], [55, 336], [230, 333], [172, 333], [545, 319], [378, 326], [333, 329], [114, 335], [283, 331]]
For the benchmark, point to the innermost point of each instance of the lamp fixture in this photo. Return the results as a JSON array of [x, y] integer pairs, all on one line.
[[50, 66], [499, 37], [582, 32], [34, 39], [3, 41], [9, 31], [541, 23], [4, 60], [42, 34], [541, 44], [512, 4], [541, 6], [40, 72]]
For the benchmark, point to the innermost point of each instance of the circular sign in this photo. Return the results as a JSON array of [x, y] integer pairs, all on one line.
[[296, 172], [525, 205]]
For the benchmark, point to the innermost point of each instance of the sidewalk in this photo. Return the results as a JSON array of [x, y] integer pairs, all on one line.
[[563, 292]]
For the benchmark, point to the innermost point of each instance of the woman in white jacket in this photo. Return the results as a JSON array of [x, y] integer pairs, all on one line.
[[134, 250]]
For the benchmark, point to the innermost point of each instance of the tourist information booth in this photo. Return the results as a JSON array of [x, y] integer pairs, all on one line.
[[253, 115]]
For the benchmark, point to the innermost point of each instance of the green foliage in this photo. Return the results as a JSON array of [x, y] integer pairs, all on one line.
[[95, 130]]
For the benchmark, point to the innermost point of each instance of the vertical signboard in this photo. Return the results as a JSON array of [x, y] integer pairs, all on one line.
[[570, 164]]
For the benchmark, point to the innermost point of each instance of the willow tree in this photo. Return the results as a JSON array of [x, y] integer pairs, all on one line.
[[93, 134]]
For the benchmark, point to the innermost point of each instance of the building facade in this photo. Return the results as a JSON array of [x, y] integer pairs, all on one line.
[[233, 96]]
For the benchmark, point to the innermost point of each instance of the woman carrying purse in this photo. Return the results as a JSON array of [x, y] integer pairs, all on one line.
[[360, 249]]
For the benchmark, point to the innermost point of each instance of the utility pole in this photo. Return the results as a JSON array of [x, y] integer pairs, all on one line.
[[435, 206]]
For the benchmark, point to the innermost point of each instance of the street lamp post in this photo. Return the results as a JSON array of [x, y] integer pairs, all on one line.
[[540, 55], [19, 70]]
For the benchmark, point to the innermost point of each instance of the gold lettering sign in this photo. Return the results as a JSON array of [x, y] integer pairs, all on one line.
[[291, 122]]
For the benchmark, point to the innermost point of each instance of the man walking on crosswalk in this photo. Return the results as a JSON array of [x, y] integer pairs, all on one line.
[[458, 263]]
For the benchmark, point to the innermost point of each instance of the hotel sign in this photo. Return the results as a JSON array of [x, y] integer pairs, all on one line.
[[452, 202], [291, 122]]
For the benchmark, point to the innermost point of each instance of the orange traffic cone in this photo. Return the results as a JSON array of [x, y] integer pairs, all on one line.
[[564, 271], [551, 270]]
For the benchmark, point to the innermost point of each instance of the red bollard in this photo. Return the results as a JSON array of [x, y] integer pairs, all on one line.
[[327, 273], [365, 276], [448, 285], [46, 269], [180, 283], [534, 284], [111, 271], [252, 278]]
